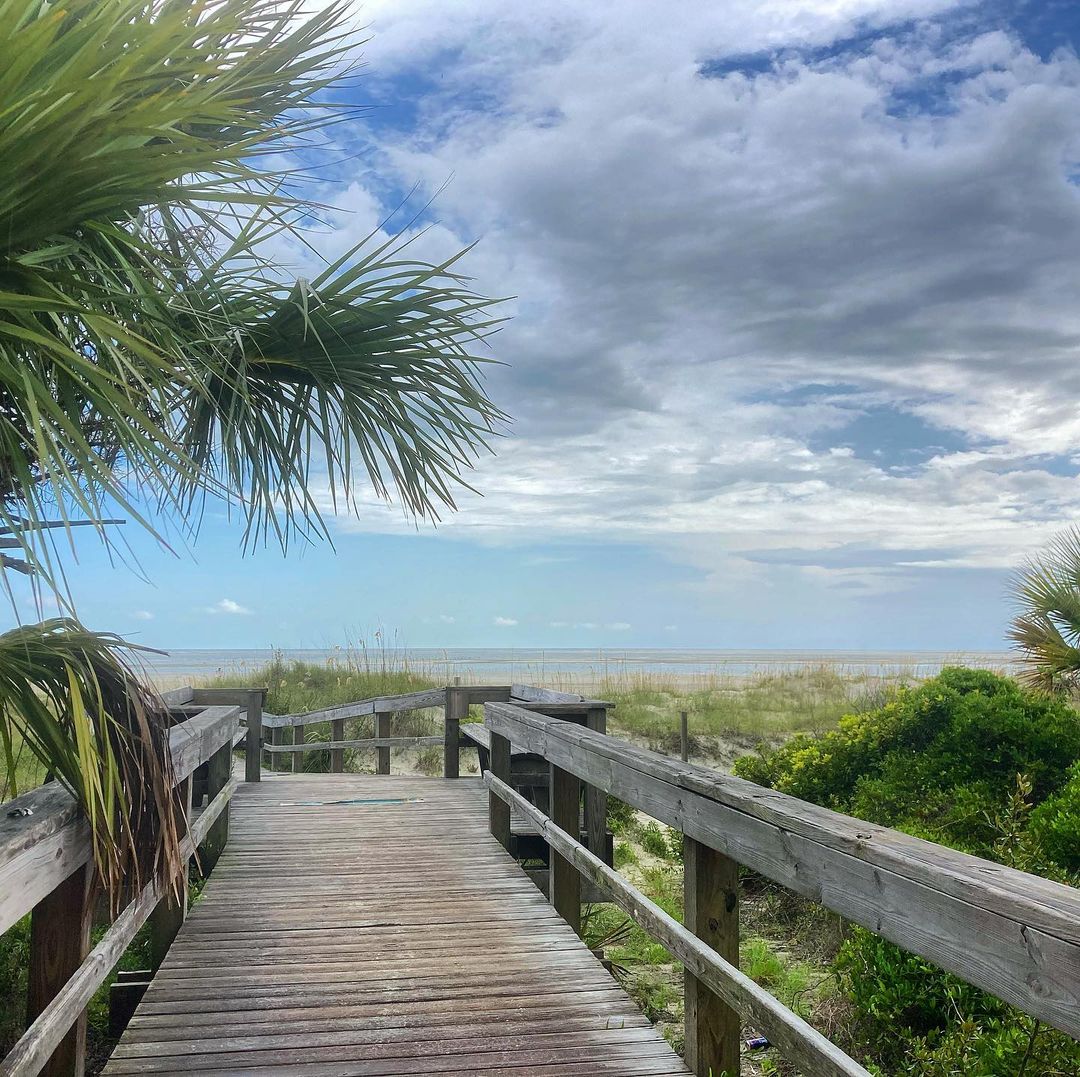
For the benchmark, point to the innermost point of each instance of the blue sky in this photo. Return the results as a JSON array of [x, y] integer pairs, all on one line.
[[793, 355]]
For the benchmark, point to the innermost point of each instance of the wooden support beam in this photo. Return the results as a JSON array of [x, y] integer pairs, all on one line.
[[253, 704], [297, 739], [337, 755], [711, 911], [456, 708], [171, 911], [382, 729], [595, 797], [565, 814], [59, 941], [498, 810], [219, 771]]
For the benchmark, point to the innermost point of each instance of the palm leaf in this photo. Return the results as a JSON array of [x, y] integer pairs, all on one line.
[[1046, 628]]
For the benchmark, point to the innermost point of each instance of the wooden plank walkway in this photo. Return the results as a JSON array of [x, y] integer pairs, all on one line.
[[364, 925]]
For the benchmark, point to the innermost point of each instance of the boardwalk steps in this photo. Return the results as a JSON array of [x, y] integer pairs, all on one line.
[[362, 925]]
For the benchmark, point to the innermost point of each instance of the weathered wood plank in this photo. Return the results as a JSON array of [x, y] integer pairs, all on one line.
[[382, 733], [194, 741], [424, 949], [48, 1032], [40, 850], [564, 880], [370, 742], [801, 1043], [59, 942], [1016, 935], [711, 911], [498, 810]]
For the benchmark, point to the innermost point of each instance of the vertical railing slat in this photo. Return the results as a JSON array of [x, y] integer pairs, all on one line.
[[59, 941], [564, 881], [382, 729], [498, 809], [711, 911]]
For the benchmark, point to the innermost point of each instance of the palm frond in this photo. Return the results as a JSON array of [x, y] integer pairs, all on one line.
[[71, 699], [1046, 628]]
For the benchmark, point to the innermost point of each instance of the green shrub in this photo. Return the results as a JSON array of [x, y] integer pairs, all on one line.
[[1055, 823], [939, 760], [972, 760]]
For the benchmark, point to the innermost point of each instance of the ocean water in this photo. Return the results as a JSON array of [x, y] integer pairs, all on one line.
[[571, 666]]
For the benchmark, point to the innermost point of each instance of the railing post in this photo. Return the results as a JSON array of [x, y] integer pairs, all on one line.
[[253, 704], [711, 911], [297, 757], [684, 736], [382, 729], [564, 882], [455, 708], [498, 809], [596, 799], [59, 941], [171, 911], [337, 755], [218, 774]]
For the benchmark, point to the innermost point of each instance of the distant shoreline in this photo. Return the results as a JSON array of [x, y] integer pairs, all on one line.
[[566, 666]]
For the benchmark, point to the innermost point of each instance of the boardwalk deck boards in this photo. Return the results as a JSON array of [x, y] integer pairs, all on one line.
[[371, 925]]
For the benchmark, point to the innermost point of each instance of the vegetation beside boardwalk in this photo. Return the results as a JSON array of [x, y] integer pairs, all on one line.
[[967, 758]]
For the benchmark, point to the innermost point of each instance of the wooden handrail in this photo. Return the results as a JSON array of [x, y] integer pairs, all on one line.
[[45, 867], [814, 1054], [1015, 935]]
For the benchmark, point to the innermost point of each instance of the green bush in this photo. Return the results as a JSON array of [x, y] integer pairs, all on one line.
[[939, 760], [972, 760]]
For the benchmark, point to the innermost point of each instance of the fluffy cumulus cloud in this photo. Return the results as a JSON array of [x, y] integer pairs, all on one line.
[[798, 283]]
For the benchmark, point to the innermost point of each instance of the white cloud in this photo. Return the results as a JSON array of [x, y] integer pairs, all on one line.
[[505, 622], [446, 619], [619, 626], [143, 615], [692, 253], [227, 605]]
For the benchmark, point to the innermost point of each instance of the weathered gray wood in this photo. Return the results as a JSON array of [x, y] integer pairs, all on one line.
[[194, 741], [410, 701], [1013, 934], [565, 881], [52, 1025], [529, 693], [218, 776], [177, 697], [498, 810], [167, 919], [805, 1046], [59, 942], [337, 755], [347, 932], [224, 697], [298, 742], [367, 743], [382, 731], [253, 708], [456, 707], [596, 798], [711, 911], [39, 851], [684, 736]]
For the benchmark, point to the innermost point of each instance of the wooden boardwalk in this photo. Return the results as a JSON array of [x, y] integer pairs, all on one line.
[[371, 925]]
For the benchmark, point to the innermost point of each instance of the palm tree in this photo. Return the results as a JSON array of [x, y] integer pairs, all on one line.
[[151, 352], [1047, 627]]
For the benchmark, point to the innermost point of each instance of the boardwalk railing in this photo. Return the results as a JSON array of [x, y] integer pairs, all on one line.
[[46, 870], [1013, 934], [454, 702]]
